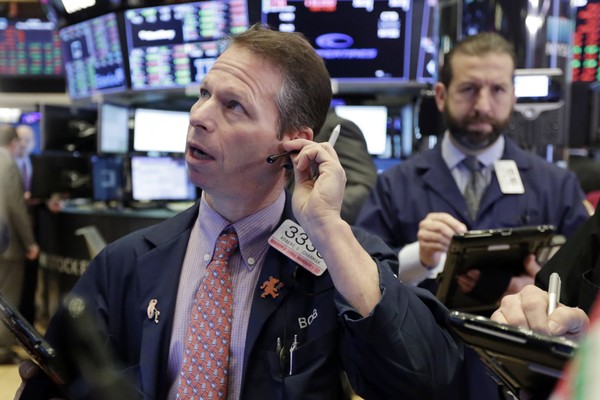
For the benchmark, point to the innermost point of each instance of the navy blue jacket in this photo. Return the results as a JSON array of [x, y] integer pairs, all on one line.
[[401, 351]]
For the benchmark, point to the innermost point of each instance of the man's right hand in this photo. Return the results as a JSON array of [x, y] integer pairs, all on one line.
[[434, 235], [528, 309]]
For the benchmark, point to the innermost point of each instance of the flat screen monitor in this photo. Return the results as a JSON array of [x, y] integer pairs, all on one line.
[[68, 129], [162, 131], [113, 129], [537, 87], [108, 178], [372, 121], [30, 58], [357, 39], [586, 52], [160, 179], [173, 46], [60, 172], [93, 57]]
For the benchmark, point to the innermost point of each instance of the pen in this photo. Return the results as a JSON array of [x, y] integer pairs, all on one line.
[[553, 292], [293, 348], [334, 135]]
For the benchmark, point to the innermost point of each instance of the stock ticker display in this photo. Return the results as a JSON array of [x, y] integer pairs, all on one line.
[[586, 43], [93, 57], [173, 46], [29, 47]]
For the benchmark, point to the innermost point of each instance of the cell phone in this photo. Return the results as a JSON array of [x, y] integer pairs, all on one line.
[[42, 353], [523, 360]]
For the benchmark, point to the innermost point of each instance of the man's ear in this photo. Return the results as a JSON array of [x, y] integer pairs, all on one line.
[[440, 95], [303, 133]]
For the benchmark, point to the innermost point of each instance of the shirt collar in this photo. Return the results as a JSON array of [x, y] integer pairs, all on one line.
[[452, 155], [253, 231]]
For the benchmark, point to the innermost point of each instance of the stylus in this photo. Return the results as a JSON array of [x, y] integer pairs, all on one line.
[[334, 135], [553, 292]]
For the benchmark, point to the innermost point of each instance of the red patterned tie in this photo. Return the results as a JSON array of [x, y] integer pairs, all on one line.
[[206, 353]]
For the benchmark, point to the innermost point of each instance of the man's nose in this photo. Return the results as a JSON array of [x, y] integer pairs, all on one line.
[[483, 102]]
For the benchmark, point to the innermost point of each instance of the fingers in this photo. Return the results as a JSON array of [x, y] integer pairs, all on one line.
[[467, 281], [28, 369], [434, 235], [531, 265], [568, 321], [528, 309]]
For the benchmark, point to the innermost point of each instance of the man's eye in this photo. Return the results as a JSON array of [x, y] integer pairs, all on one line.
[[204, 93], [234, 105]]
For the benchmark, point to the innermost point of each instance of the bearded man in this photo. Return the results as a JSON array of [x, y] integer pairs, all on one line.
[[475, 178], [420, 204]]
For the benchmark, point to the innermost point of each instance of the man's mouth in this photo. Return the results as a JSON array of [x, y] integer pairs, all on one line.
[[199, 154]]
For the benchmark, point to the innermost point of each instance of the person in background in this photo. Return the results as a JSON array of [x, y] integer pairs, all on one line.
[[475, 178], [294, 325], [22, 157], [418, 205], [17, 228], [352, 152]]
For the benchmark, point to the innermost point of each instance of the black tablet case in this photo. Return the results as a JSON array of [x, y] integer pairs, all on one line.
[[519, 358], [498, 254]]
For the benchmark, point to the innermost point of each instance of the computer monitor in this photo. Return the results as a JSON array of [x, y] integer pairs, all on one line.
[[30, 58], [68, 128], [358, 40], [93, 57], [60, 172], [538, 85], [108, 178], [113, 129], [372, 121], [161, 131], [160, 179], [173, 46], [586, 51]]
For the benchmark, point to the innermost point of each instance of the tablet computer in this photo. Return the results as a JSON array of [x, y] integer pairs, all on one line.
[[499, 255], [33, 342], [521, 359]]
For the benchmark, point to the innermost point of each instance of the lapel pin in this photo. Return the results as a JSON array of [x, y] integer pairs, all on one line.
[[271, 287], [152, 310]]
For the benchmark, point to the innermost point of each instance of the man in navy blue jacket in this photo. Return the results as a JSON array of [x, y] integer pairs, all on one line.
[[417, 206], [340, 308]]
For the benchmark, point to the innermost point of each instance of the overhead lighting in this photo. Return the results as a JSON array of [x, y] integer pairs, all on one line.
[[72, 6]]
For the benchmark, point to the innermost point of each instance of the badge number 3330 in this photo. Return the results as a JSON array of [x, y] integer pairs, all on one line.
[[291, 240]]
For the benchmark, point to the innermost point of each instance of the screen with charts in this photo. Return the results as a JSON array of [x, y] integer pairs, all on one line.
[[161, 131], [586, 52], [29, 47], [93, 57], [372, 121], [362, 39], [160, 178], [175, 45]]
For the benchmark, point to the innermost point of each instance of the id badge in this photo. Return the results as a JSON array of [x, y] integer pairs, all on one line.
[[509, 177], [291, 240]]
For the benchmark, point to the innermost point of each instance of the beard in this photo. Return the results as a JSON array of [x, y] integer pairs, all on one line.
[[472, 139]]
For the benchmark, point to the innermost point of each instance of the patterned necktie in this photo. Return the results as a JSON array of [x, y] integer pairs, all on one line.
[[205, 363], [475, 186]]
